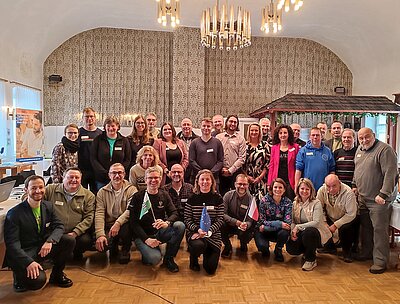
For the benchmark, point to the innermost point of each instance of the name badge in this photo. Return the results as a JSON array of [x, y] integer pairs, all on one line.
[[58, 203], [184, 200], [309, 153], [118, 149], [244, 206], [48, 225], [84, 137], [358, 155], [340, 158], [210, 207], [291, 150], [210, 150]]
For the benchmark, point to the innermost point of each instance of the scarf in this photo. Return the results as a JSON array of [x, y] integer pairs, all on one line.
[[69, 145]]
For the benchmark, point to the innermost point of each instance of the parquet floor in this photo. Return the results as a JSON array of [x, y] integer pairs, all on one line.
[[243, 278]]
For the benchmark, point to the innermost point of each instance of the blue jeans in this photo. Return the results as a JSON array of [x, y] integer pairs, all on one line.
[[263, 238], [171, 235]]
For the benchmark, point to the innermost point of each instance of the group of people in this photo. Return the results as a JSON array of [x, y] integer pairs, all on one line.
[[154, 187]]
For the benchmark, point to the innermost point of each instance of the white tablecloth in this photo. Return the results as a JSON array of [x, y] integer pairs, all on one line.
[[6, 205], [395, 219]]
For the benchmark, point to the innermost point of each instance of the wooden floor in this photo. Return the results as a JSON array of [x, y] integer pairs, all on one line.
[[243, 278]]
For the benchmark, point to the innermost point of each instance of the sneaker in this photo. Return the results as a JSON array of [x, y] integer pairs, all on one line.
[[347, 257], [278, 255], [226, 252], [375, 269], [308, 266], [170, 264], [124, 256], [194, 264], [60, 280]]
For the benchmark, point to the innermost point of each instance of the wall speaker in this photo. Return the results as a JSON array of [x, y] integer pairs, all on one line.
[[55, 78]]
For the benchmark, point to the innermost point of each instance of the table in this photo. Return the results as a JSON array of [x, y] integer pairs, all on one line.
[[15, 167], [394, 223], [6, 205]]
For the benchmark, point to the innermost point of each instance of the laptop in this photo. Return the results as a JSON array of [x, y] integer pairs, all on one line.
[[5, 190]]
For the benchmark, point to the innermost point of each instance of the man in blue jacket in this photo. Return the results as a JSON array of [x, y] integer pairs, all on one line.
[[314, 161], [33, 233]]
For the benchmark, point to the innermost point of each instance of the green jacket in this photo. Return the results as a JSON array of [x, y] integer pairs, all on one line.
[[77, 215]]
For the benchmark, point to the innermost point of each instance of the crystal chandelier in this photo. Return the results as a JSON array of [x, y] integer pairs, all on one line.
[[271, 18], [296, 4], [171, 8], [221, 29]]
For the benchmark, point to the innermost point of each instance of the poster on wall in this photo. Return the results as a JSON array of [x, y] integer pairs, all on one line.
[[29, 135]]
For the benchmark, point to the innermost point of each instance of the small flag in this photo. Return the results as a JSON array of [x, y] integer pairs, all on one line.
[[205, 221], [146, 205], [253, 212]]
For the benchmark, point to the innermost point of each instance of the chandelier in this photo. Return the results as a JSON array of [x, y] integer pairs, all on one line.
[[296, 4], [271, 18], [171, 8], [221, 29]]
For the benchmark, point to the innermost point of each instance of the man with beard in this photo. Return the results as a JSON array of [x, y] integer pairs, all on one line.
[[218, 125]]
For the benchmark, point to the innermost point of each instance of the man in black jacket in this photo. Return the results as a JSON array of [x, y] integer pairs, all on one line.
[[153, 219], [33, 233]]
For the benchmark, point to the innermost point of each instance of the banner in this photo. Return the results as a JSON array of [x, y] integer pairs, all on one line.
[[29, 135]]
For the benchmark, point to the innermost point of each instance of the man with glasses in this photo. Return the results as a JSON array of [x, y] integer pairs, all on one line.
[[153, 220], [151, 119], [237, 222], [178, 190], [87, 133], [111, 216]]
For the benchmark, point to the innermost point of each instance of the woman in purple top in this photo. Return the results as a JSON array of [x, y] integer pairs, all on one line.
[[275, 219]]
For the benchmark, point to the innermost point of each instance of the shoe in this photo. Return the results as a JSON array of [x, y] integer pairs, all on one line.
[[278, 255], [60, 280], [265, 253], [226, 252], [327, 250], [375, 269], [124, 256], [347, 257], [18, 287], [170, 264], [308, 266], [243, 247], [194, 264]]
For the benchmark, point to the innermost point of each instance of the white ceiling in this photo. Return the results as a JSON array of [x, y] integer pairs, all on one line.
[[365, 34]]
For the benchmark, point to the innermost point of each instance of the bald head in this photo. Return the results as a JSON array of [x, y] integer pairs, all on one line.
[[296, 130], [177, 174], [366, 137], [332, 184]]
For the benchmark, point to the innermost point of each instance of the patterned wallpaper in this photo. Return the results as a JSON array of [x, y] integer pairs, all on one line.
[[123, 71]]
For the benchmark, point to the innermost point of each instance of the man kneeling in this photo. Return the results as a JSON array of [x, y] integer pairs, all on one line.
[[111, 217], [32, 233], [152, 216]]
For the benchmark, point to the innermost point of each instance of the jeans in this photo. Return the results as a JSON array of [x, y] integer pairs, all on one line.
[[170, 235], [263, 238]]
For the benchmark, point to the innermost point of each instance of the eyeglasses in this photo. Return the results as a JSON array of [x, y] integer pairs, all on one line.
[[72, 133], [117, 172], [176, 172], [242, 184]]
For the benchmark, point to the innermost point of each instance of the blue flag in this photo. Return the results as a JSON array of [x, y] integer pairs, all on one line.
[[205, 221]]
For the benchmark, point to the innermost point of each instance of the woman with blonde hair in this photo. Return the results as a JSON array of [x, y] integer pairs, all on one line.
[[146, 157], [200, 242], [308, 230], [257, 160]]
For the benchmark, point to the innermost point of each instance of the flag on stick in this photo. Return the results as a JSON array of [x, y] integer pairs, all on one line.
[[146, 205], [205, 221], [253, 211]]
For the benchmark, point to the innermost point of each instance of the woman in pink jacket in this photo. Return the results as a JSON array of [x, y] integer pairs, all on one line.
[[170, 149], [282, 162]]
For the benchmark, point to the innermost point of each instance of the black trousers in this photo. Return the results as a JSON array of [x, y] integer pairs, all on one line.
[[348, 234], [59, 253], [227, 183], [88, 181], [210, 254], [83, 242], [227, 230], [307, 243], [124, 238]]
